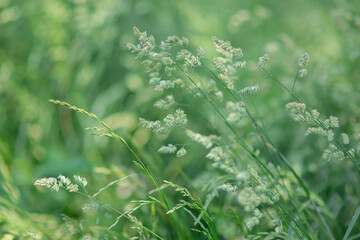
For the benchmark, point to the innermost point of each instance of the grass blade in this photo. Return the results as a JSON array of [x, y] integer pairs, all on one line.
[[352, 223]]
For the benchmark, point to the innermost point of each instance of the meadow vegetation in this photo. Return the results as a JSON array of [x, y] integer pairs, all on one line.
[[154, 120]]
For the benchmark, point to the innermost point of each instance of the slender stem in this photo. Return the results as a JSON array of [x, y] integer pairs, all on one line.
[[296, 77], [112, 134], [338, 143], [117, 211], [244, 145]]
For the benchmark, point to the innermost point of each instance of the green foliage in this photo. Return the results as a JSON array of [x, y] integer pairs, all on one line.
[[203, 115]]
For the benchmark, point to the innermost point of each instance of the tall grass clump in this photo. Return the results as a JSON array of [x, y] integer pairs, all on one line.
[[246, 187]]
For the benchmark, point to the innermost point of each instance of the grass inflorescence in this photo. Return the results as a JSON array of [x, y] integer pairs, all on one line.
[[250, 186]]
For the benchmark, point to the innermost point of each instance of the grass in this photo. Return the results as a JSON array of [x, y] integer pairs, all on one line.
[[259, 180], [207, 148]]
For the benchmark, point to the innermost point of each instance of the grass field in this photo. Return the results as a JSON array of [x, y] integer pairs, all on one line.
[[179, 119]]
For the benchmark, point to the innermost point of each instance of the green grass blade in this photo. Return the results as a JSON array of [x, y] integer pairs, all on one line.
[[352, 223]]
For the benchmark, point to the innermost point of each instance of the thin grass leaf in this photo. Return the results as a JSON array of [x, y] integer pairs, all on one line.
[[352, 223], [110, 184]]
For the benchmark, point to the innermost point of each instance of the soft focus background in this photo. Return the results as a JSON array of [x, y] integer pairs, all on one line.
[[75, 51]]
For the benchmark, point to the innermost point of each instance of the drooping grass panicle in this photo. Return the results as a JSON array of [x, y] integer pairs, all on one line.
[[57, 183], [257, 177], [228, 70], [346, 152], [110, 133]]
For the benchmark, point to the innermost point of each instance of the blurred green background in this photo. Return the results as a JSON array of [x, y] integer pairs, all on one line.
[[75, 51]]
